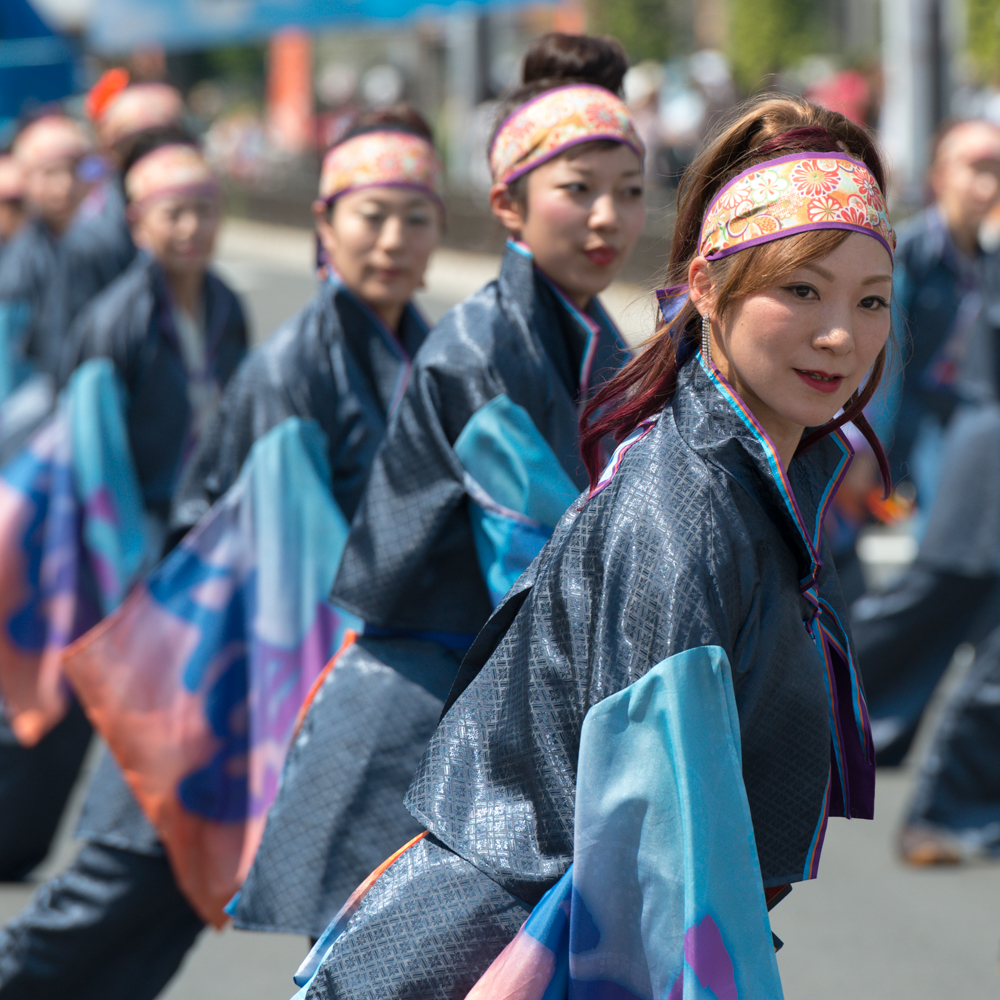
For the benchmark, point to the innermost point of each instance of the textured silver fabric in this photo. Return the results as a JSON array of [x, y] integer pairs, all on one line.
[[339, 813], [431, 945], [690, 544]]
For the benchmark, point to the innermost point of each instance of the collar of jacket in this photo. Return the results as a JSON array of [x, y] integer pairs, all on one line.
[[358, 322], [717, 424], [217, 307], [580, 343]]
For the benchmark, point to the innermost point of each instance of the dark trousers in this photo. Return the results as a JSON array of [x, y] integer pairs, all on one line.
[[35, 783], [959, 782], [113, 926], [905, 639]]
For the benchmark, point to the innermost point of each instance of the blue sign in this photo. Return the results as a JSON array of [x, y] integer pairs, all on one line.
[[36, 65], [119, 25]]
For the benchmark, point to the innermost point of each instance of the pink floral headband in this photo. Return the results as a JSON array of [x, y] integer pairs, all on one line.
[[381, 159], [553, 122], [795, 194], [175, 169]]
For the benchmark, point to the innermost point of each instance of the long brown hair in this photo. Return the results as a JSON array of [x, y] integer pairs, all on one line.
[[761, 130]]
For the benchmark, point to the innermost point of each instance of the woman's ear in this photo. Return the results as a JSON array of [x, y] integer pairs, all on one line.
[[700, 285], [324, 229], [508, 211]]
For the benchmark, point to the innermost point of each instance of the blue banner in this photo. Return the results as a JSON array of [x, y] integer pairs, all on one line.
[[119, 25]]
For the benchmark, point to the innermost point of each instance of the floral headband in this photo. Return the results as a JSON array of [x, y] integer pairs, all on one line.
[[795, 194], [381, 159], [169, 170], [553, 122]]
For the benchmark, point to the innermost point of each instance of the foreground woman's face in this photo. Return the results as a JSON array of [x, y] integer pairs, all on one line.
[[380, 241], [798, 350]]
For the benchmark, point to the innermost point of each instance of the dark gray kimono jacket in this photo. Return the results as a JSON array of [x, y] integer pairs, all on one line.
[[695, 542]]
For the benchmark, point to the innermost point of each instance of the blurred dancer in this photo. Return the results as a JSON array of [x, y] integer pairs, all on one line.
[[479, 463], [275, 480], [906, 636], [35, 783], [644, 745], [939, 274], [114, 925], [11, 199], [49, 152], [956, 808], [100, 244]]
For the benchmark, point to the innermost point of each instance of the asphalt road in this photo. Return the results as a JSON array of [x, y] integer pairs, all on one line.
[[868, 927]]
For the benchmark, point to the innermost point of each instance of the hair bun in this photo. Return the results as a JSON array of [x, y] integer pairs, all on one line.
[[557, 58]]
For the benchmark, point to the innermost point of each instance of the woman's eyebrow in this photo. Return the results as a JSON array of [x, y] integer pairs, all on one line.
[[824, 273]]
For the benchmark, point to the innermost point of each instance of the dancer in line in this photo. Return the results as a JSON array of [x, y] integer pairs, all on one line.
[[114, 924], [11, 199], [906, 636], [643, 747], [33, 316], [479, 463], [35, 782], [272, 488]]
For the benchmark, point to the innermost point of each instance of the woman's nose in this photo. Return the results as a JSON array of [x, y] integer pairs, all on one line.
[[603, 214]]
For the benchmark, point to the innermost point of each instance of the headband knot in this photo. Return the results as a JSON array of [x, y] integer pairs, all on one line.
[[382, 158], [554, 121], [795, 194]]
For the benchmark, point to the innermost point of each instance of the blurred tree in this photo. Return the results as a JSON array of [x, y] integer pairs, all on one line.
[[642, 26], [767, 36], [983, 26]]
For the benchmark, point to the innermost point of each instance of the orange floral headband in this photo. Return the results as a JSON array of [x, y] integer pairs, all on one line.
[[553, 122], [793, 194], [381, 159]]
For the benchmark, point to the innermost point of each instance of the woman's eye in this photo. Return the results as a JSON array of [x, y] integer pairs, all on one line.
[[575, 187], [373, 218], [874, 303], [418, 220], [802, 291]]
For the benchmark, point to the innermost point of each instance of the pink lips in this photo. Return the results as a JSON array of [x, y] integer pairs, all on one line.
[[820, 381], [601, 256]]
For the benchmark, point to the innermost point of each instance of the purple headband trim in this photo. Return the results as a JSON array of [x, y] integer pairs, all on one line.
[[795, 231], [552, 154], [406, 185]]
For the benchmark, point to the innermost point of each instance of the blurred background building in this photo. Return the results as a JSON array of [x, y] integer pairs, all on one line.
[[272, 84]]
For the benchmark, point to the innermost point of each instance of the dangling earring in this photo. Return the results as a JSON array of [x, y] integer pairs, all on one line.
[[706, 340]]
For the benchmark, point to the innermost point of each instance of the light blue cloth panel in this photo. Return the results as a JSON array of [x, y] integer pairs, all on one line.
[[665, 861], [519, 491], [116, 538]]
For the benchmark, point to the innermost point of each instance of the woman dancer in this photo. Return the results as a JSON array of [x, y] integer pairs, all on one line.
[[113, 924], [646, 741], [344, 360], [477, 467]]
